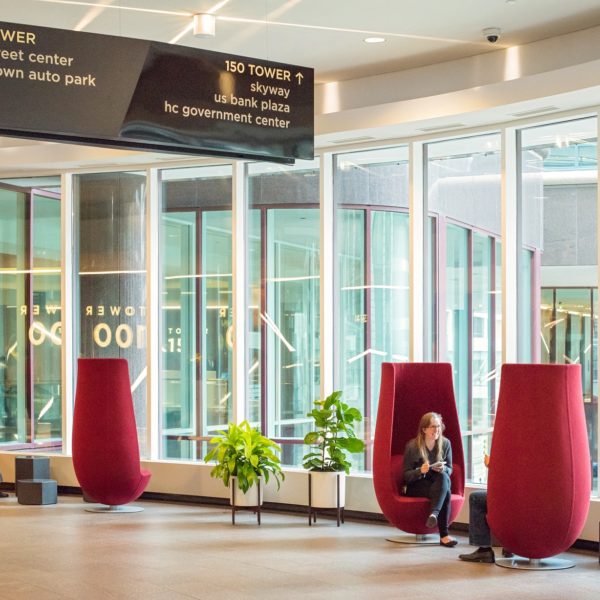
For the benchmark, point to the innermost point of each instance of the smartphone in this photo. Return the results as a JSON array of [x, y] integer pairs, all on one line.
[[438, 464]]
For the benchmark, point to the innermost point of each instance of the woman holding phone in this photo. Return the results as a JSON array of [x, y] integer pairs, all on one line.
[[427, 468]]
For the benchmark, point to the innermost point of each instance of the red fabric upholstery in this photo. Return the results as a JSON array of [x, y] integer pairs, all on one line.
[[540, 479], [408, 391], [106, 455]]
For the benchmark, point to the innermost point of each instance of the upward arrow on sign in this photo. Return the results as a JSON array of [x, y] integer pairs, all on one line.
[[299, 77]]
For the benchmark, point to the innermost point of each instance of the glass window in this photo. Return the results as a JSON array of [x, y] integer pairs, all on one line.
[[30, 318], [458, 315], [372, 323], [463, 178], [526, 302], [196, 338], [45, 322], [569, 336], [485, 318], [284, 290], [389, 302], [351, 234], [430, 314], [110, 233], [558, 230], [497, 298]]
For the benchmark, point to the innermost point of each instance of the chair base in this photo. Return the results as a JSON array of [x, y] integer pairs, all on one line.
[[125, 508], [416, 539], [535, 564]]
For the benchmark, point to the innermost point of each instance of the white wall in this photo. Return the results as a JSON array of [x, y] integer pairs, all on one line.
[[486, 88]]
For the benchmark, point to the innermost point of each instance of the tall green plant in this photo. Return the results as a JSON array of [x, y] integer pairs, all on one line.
[[243, 452], [334, 436]]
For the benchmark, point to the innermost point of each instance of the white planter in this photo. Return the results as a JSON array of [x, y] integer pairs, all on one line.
[[250, 498], [324, 489]]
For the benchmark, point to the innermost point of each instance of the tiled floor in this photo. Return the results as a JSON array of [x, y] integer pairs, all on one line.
[[176, 551]]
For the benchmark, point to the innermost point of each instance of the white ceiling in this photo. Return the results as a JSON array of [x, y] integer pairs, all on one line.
[[326, 35]]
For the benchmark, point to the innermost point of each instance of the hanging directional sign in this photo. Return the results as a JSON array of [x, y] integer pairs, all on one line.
[[129, 93]]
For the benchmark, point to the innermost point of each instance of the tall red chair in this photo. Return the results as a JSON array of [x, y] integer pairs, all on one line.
[[539, 480], [408, 391], [106, 455]]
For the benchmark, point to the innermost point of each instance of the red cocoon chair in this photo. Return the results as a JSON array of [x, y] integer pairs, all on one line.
[[539, 480], [408, 391], [106, 455]]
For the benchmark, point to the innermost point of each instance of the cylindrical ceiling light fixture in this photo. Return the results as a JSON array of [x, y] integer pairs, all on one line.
[[204, 25]]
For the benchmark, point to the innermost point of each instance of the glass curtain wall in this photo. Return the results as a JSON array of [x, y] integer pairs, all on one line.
[[430, 309], [556, 265], [45, 329], [284, 301], [464, 199], [372, 249], [528, 309], [30, 318], [110, 254], [558, 227], [196, 316]]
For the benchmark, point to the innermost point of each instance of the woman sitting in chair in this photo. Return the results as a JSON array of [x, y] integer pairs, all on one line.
[[427, 468]]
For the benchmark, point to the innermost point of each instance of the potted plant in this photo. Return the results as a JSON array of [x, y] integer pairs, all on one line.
[[244, 458], [331, 441]]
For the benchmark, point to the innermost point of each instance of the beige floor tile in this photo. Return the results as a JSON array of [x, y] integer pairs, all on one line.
[[179, 551]]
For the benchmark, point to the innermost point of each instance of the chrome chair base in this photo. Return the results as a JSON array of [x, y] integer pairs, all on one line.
[[535, 564], [418, 539], [125, 508]]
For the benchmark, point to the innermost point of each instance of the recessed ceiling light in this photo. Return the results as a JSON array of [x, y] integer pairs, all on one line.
[[374, 40], [354, 140], [535, 111], [442, 127]]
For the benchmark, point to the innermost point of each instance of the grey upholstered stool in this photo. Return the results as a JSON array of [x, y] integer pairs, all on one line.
[[37, 491], [31, 467], [2, 494]]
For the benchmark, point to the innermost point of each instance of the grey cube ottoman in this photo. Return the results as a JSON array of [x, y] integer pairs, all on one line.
[[37, 491], [31, 467]]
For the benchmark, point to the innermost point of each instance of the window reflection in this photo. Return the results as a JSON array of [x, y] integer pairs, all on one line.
[[558, 230], [196, 332], [372, 323], [464, 198], [110, 233], [284, 307], [46, 329], [30, 318]]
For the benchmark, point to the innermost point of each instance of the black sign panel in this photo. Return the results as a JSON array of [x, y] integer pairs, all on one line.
[[128, 93]]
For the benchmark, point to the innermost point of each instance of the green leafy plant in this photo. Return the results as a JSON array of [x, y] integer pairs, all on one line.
[[334, 436], [243, 452]]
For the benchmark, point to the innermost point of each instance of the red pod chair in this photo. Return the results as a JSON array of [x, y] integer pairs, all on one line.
[[539, 479], [408, 391], [106, 455]]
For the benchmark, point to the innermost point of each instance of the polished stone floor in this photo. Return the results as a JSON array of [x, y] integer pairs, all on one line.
[[177, 551]]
